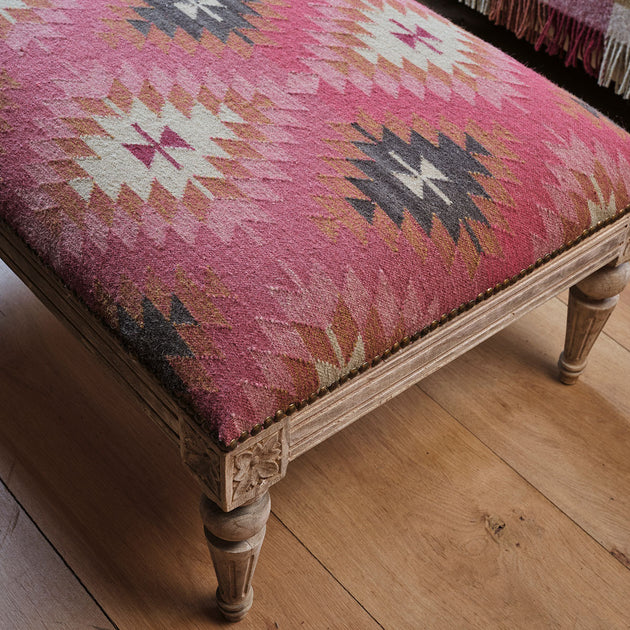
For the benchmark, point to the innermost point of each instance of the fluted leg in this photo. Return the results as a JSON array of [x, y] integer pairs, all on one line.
[[234, 539], [591, 302]]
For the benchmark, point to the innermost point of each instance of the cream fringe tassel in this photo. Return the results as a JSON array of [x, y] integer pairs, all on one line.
[[483, 6], [615, 67], [534, 21]]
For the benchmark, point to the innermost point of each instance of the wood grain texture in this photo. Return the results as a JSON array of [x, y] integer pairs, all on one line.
[[109, 489], [429, 529], [234, 540], [427, 538], [618, 326], [571, 443], [37, 590]]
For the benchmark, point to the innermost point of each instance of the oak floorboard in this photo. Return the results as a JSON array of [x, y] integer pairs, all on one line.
[[571, 442], [37, 590], [429, 529], [108, 489]]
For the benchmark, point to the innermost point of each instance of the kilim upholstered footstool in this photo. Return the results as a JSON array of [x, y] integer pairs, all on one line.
[[271, 216]]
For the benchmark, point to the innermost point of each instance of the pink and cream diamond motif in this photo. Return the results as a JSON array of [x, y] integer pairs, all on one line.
[[260, 204], [396, 36], [140, 147]]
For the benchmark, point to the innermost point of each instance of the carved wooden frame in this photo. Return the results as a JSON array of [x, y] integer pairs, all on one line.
[[240, 476], [314, 423]]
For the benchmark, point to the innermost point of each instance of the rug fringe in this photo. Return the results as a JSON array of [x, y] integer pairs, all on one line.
[[544, 27], [559, 33], [522, 17], [564, 34], [615, 66], [483, 6]]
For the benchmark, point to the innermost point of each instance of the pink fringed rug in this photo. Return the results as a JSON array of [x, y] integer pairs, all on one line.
[[261, 197], [593, 33]]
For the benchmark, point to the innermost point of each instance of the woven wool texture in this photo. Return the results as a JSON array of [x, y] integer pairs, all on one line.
[[591, 33], [259, 196]]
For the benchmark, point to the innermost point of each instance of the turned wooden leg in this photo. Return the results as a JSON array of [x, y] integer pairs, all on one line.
[[591, 302], [234, 539]]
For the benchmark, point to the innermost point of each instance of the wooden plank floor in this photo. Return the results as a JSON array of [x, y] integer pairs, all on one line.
[[37, 590], [488, 496]]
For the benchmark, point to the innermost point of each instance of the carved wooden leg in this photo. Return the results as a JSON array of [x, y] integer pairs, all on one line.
[[234, 539], [591, 302]]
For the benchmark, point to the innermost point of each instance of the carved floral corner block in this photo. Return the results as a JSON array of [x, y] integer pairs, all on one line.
[[256, 465], [237, 477]]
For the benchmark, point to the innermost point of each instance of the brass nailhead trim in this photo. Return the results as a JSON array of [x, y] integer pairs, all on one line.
[[488, 293]]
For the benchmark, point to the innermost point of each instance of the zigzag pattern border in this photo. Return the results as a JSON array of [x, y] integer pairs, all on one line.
[[397, 346]]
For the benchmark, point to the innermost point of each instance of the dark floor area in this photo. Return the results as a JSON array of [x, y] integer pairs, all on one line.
[[574, 80]]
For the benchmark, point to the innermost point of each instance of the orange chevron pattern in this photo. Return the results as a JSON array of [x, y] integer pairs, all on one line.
[[262, 204]]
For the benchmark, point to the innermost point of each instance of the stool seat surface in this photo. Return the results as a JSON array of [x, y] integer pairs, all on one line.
[[260, 197]]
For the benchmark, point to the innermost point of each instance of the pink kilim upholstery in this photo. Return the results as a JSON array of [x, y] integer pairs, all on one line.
[[261, 197]]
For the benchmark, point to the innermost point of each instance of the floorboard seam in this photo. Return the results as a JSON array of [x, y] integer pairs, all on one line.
[[334, 577], [56, 551]]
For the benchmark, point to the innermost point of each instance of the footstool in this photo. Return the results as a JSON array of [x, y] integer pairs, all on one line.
[[270, 217]]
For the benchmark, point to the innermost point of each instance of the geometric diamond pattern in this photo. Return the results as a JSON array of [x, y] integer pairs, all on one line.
[[157, 340], [427, 181], [137, 148], [260, 197], [220, 17]]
